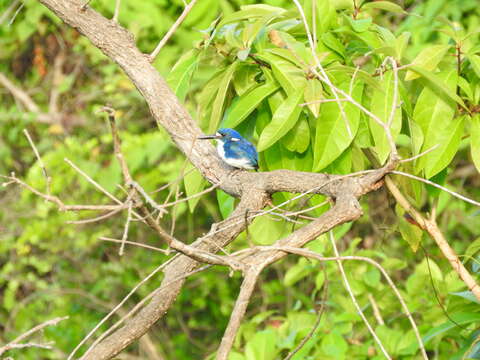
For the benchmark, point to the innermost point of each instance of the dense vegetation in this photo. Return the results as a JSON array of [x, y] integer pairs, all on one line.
[[250, 67]]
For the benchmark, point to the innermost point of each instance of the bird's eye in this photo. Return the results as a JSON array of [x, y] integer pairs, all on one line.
[[235, 139]]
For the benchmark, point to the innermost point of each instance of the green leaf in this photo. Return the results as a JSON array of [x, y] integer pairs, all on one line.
[[298, 138], [381, 106], [248, 102], [194, 183], [313, 93], [475, 140], [179, 78], [475, 62], [434, 82], [384, 5], [251, 12], [217, 107], [225, 203], [262, 346], [297, 272], [332, 137], [244, 79], [282, 121], [290, 76], [435, 118], [428, 59], [468, 295], [458, 318], [360, 25], [412, 234], [322, 11]]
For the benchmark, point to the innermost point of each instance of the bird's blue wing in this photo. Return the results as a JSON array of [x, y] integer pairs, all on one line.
[[242, 149]]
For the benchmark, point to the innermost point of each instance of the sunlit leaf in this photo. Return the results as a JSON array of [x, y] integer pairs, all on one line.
[[218, 104], [247, 103], [384, 5], [382, 105], [179, 78], [332, 137], [428, 59], [283, 120]]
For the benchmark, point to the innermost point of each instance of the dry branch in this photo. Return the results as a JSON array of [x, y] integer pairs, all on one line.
[[253, 189]]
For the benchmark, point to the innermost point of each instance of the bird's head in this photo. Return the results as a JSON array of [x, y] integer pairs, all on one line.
[[223, 135]]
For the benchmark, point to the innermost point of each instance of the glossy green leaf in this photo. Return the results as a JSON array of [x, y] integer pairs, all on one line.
[[225, 203], [360, 25], [475, 62], [475, 140], [251, 12], [381, 105], [384, 5], [458, 318], [312, 95], [282, 121], [179, 78], [248, 103], [428, 59], [331, 137], [435, 118], [262, 346], [320, 11], [217, 107], [194, 183], [298, 138], [290, 77], [436, 83]]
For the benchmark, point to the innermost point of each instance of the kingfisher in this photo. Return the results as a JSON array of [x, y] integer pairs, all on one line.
[[234, 150]]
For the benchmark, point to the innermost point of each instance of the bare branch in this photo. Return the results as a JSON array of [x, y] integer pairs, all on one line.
[[15, 343], [246, 291], [117, 10], [172, 30], [103, 238]]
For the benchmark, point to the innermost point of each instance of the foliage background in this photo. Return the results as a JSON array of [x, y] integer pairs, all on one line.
[[50, 268]]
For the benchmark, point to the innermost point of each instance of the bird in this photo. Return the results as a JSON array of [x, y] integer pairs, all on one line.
[[234, 150]]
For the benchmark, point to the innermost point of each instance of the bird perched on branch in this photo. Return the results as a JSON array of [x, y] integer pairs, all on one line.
[[234, 149]]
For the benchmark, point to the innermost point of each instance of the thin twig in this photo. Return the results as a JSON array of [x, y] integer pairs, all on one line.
[[314, 255], [453, 193], [125, 231], [131, 312], [103, 238], [317, 320], [33, 330], [420, 155], [117, 11], [172, 30], [354, 299], [376, 310], [48, 179]]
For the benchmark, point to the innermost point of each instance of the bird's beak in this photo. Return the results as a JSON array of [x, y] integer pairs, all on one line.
[[209, 137]]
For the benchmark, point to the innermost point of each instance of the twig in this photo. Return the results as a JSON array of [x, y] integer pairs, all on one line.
[[15, 14], [8, 11], [246, 291], [430, 225], [354, 299], [314, 255], [420, 155], [376, 310], [317, 320], [395, 92], [117, 11], [172, 30], [103, 238], [453, 193], [98, 218], [125, 230], [131, 312], [33, 330], [48, 179]]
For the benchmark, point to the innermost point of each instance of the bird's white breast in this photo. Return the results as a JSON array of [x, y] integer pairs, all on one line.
[[237, 163]]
